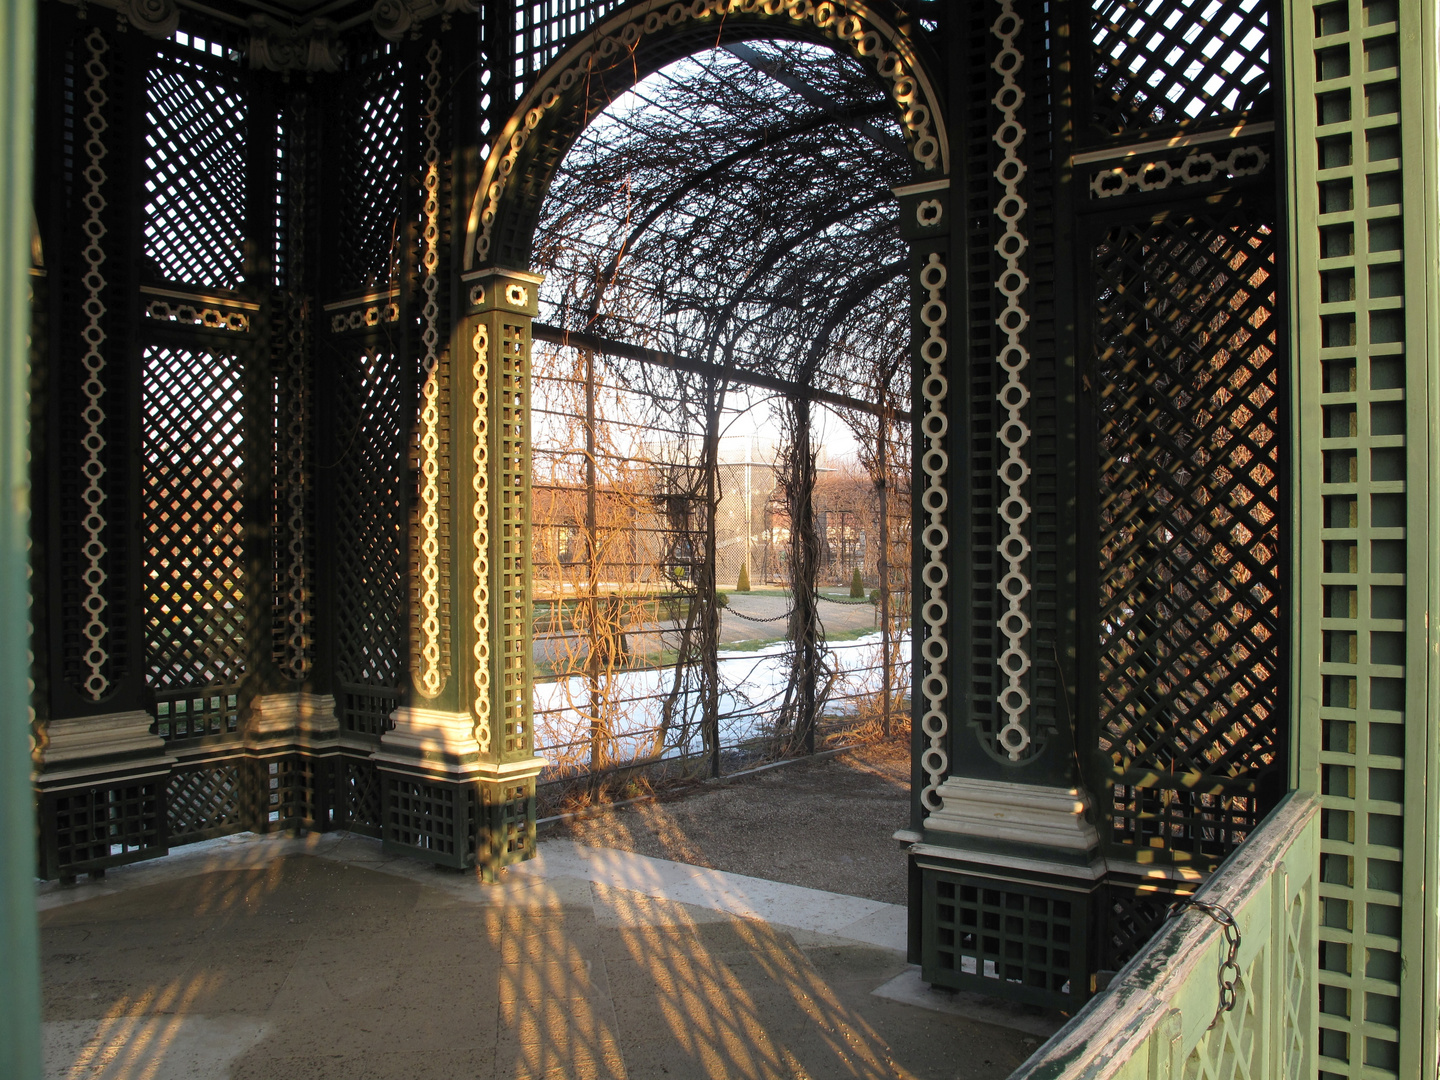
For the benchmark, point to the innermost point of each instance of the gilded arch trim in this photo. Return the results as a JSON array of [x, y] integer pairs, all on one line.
[[853, 28]]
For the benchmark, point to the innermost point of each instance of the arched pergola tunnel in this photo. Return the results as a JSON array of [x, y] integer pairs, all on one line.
[[718, 232], [1171, 281]]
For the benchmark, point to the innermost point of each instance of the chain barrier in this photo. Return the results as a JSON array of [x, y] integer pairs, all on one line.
[[756, 618], [1229, 972], [778, 618]]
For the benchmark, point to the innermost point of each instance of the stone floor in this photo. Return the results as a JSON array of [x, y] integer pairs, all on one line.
[[256, 958]]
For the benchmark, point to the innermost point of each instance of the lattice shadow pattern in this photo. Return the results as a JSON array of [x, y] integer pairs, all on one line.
[[1186, 384], [195, 174], [1166, 62], [194, 600]]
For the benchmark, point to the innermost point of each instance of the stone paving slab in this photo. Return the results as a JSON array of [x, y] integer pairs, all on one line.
[[267, 958], [848, 917]]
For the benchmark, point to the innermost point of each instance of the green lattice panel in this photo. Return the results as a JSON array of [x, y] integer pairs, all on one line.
[[1015, 940], [368, 449], [430, 819], [506, 819], [370, 125], [1166, 63], [104, 825], [1360, 198]]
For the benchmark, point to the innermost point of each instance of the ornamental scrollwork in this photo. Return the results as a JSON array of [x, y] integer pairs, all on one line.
[[312, 46]]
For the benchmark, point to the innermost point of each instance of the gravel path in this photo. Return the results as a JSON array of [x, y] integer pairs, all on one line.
[[767, 624], [825, 824]]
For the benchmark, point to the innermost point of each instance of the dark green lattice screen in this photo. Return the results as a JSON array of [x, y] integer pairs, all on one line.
[[1177, 63], [369, 117], [195, 625], [198, 122], [1185, 382], [367, 459]]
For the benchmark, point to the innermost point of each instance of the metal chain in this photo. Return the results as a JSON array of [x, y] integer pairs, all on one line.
[[778, 618], [1229, 969], [755, 618]]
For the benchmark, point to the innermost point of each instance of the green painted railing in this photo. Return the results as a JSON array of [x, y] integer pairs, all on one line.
[[1154, 1022], [19, 957]]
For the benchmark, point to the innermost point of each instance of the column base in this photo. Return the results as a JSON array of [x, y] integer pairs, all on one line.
[[284, 720], [292, 743], [1005, 882], [1043, 822], [100, 786], [442, 803]]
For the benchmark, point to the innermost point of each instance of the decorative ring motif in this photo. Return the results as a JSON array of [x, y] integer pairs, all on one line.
[[1198, 168], [1014, 434], [93, 361], [430, 675], [935, 537], [480, 539]]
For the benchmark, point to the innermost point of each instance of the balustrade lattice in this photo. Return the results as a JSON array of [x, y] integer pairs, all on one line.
[[204, 802]]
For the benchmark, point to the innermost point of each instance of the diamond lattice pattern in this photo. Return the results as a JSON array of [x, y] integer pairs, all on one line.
[[370, 179], [193, 444], [370, 534], [203, 801], [1186, 375], [195, 174], [1161, 62]]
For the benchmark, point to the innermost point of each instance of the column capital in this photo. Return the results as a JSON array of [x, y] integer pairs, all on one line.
[[497, 289]]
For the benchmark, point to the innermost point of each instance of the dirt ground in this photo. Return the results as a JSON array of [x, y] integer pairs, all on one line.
[[825, 824]]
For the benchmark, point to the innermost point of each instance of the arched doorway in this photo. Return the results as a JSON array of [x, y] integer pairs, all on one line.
[[498, 294]]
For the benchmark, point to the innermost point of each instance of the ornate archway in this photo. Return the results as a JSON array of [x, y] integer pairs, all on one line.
[[504, 212], [643, 37]]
